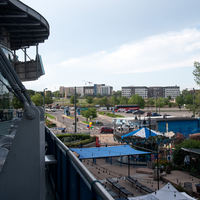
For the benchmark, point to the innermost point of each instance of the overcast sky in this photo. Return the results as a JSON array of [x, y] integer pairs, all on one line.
[[118, 42]]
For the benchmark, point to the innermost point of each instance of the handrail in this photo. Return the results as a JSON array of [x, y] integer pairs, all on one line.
[[98, 188]]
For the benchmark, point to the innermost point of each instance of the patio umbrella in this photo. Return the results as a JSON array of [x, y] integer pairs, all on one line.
[[143, 133]]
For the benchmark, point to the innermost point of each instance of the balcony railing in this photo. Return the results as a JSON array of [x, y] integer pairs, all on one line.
[[70, 178]]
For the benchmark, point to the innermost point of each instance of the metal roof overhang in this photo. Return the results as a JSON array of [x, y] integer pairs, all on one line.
[[22, 25]]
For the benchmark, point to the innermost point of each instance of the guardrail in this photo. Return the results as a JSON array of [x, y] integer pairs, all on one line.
[[70, 178]]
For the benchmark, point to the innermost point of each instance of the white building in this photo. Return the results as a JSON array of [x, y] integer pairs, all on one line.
[[172, 91]]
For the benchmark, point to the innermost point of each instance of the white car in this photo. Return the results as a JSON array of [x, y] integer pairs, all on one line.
[[125, 127], [53, 110]]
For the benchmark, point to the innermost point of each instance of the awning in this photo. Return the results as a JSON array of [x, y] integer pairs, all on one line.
[[102, 152]]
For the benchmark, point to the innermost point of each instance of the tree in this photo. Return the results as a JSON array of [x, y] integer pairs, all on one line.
[[90, 112], [151, 102], [30, 93], [189, 99], [196, 72], [136, 99], [169, 97], [48, 99], [16, 103], [123, 100], [99, 95], [37, 99], [89, 99], [166, 101], [180, 101], [114, 100], [72, 99]]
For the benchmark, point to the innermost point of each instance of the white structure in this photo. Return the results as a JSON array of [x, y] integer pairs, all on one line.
[[142, 91], [131, 90]]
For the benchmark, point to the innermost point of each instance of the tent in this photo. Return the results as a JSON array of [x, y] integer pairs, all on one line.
[[143, 133], [165, 193], [102, 152]]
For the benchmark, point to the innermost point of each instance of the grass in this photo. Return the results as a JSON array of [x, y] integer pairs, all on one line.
[[110, 114], [50, 116]]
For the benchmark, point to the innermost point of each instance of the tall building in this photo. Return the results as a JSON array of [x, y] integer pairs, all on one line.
[[128, 91], [106, 90], [151, 92]]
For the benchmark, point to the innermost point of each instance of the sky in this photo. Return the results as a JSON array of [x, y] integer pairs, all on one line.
[[118, 43]]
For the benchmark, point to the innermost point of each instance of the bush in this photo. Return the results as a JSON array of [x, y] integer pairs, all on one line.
[[74, 136]]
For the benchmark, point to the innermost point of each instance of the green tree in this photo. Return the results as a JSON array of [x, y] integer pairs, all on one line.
[[48, 99], [180, 101], [99, 95], [30, 93], [90, 112], [89, 99], [189, 99], [123, 100], [72, 99], [136, 99], [166, 101], [114, 100], [16, 103], [37, 99], [56, 94], [151, 102], [104, 101], [170, 104], [196, 72], [169, 97]]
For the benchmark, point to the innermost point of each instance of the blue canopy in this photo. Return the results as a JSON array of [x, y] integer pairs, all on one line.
[[143, 133], [102, 152]]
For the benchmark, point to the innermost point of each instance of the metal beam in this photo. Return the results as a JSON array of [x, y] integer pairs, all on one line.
[[14, 16], [27, 30], [21, 24], [28, 35]]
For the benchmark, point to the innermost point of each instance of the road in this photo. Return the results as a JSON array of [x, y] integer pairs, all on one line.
[[81, 127]]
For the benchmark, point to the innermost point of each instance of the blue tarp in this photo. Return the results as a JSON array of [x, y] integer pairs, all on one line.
[[102, 152]]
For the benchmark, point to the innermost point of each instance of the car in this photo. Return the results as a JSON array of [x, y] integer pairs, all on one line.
[[125, 127], [106, 130], [148, 114], [155, 114], [53, 110], [138, 112], [129, 111], [62, 107]]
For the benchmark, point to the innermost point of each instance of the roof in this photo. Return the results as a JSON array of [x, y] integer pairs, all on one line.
[[167, 119], [21, 25], [102, 152], [196, 151], [143, 133]]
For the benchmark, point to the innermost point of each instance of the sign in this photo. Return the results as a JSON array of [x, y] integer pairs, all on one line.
[[84, 108]]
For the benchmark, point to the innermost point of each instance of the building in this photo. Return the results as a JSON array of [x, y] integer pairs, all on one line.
[[106, 90], [151, 92], [132, 90]]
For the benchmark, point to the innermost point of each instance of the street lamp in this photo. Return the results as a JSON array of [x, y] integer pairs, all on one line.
[[44, 98]]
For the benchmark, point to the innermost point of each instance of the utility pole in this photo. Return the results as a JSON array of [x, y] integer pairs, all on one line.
[[75, 108]]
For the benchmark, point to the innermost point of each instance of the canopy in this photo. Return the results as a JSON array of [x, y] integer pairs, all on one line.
[[102, 152], [143, 133], [165, 193], [169, 134]]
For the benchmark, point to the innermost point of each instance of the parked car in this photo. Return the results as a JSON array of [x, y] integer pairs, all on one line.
[[62, 107], [155, 114], [53, 110], [106, 130], [148, 114], [125, 127], [136, 112], [129, 111], [48, 109]]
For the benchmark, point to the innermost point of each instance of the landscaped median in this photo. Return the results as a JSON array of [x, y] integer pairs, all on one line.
[[110, 114], [76, 140]]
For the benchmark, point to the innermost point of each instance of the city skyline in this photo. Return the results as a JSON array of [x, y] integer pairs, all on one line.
[[119, 43]]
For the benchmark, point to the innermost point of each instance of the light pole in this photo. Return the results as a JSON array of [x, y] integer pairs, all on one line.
[[44, 98]]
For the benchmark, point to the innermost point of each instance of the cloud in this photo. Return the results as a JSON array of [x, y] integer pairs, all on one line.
[[155, 53]]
